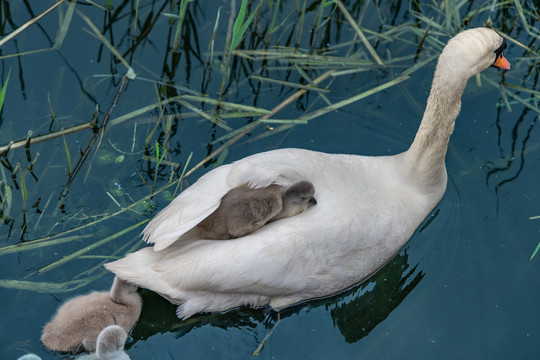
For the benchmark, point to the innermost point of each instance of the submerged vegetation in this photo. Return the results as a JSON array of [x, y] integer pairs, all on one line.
[[171, 87]]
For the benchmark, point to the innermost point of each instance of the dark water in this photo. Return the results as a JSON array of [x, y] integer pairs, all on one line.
[[464, 285]]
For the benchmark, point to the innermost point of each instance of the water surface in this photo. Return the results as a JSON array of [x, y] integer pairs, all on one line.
[[464, 285]]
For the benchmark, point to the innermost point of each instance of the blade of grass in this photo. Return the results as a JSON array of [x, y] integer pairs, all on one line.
[[285, 121], [68, 155], [273, 131], [289, 84], [273, 27], [24, 193], [213, 119], [300, 23], [88, 248], [159, 159], [140, 111], [213, 39], [265, 340], [5, 206], [53, 135], [514, 96], [32, 245], [136, 17], [181, 16], [505, 98], [130, 72], [49, 287], [359, 32], [535, 251], [221, 158], [240, 26], [27, 24], [352, 99], [225, 104], [522, 88], [161, 162], [419, 65], [51, 110], [244, 129], [310, 81], [182, 174], [538, 246], [64, 27], [523, 18], [3, 92], [518, 43]]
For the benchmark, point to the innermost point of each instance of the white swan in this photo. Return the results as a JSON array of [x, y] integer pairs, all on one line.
[[78, 323], [367, 208]]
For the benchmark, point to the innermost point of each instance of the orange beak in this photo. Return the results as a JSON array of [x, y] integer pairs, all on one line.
[[502, 63]]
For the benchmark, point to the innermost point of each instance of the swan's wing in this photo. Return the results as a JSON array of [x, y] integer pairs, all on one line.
[[203, 197], [188, 209], [272, 167]]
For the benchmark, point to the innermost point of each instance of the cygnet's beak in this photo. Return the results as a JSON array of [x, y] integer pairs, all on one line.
[[501, 63], [312, 201]]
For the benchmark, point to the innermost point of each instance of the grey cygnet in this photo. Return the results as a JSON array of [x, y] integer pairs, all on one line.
[[243, 209], [78, 322]]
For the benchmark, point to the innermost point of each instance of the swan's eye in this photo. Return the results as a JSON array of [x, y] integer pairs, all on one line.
[[500, 50], [500, 62]]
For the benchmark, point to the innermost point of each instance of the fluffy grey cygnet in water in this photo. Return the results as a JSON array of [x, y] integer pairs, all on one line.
[[110, 344], [78, 323], [243, 209]]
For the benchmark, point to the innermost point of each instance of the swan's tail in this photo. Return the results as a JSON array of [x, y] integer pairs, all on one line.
[[136, 268]]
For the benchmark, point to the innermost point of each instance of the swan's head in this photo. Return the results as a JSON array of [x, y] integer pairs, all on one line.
[[473, 51]]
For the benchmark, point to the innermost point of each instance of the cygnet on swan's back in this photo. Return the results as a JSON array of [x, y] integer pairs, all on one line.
[[243, 209], [79, 321], [296, 199]]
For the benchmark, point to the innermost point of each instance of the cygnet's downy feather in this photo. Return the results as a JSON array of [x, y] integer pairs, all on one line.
[[110, 343], [78, 322], [244, 209]]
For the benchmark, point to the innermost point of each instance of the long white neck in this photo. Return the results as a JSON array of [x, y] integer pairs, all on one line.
[[425, 157]]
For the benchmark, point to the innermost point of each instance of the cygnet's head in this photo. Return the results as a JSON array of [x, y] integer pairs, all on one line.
[[122, 290], [110, 344], [473, 51], [29, 357], [299, 193]]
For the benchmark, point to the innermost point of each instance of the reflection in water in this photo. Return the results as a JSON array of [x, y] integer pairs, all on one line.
[[355, 312], [159, 316], [370, 303], [515, 158]]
